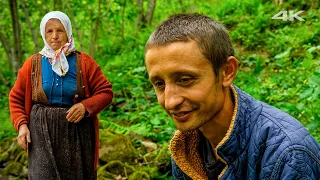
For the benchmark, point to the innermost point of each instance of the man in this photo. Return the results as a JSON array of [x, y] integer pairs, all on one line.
[[222, 131]]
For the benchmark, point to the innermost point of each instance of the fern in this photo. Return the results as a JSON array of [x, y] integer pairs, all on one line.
[[138, 129], [114, 127]]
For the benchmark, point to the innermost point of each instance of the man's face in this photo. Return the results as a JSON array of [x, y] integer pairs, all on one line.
[[185, 84]]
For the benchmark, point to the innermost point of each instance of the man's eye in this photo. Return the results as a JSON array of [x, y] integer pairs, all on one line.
[[185, 81], [49, 31], [158, 84]]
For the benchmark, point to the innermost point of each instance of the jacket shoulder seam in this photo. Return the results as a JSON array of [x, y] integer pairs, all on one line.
[[282, 156]]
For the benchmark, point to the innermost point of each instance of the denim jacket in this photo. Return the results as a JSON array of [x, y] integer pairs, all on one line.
[[262, 143]]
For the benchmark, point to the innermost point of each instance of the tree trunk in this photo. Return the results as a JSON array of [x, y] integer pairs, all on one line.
[[57, 5], [150, 11], [278, 2], [122, 19], [44, 9], [6, 45], [16, 50], [74, 24], [183, 10], [140, 17], [5, 82], [106, 19], [95, 31], [33, 31]]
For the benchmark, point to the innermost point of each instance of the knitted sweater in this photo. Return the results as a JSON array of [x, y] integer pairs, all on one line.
[[98, 94]]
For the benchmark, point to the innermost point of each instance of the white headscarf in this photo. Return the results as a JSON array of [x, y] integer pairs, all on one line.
[[58, 58]]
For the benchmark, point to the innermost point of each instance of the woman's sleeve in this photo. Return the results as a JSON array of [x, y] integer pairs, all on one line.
[[100, 88], [17, 97]]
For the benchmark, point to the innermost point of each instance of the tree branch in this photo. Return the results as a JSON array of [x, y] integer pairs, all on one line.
[[150, 11], [33, 33], [181, 5], [16, 51], [94, 35], [5, 82], [57, 5], [107, 20], [6, 45], [75, 24], [122, 19], [140, 15]]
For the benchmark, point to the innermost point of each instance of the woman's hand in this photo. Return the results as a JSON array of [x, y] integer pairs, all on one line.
[[76, 113], [24, 136]]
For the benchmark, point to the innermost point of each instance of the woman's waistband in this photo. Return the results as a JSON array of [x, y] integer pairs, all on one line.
[[62, 106]]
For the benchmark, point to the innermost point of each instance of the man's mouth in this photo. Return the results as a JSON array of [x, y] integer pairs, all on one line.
[[182, 115]]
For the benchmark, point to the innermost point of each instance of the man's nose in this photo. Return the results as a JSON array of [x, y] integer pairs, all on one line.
[[172, 97]]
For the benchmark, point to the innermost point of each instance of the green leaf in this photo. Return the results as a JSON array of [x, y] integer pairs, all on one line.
[[306, 93], [315, 124], [139, 69], [310, 50], [314, 80], [312, 126], [155, 121], [258, 67], [137, 81], [316, 117], [307, 63], [301, 106], [284, 54], [288, 106]]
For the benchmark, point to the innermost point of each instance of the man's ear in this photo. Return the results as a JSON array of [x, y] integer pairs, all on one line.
[[229, 71]]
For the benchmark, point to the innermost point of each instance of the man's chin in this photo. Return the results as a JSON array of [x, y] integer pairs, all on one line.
[[185, 129]]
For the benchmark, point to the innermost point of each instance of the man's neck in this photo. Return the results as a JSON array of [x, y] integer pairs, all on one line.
[[216, 129]]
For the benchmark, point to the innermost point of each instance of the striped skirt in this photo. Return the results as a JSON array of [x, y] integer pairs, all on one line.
[[60, 150]]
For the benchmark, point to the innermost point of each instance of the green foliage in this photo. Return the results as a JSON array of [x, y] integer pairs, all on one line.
[[7, 129], [278, 60]]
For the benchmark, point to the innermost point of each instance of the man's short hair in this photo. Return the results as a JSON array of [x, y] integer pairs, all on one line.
[[211, 36]]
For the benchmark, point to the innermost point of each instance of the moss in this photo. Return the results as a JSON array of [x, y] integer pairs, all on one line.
[[103, 175], [152, 170], [13, 168], [163, 158], [14, 151], [116, 147], [4, 157], [5, 144], [22, 158], [150, 157], [9, 150], [139, 175], [115, 168]]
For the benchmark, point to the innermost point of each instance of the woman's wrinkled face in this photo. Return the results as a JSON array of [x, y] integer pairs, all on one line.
[[55, 34]]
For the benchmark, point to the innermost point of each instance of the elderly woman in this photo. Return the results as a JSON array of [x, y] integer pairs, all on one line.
[[54, 105]]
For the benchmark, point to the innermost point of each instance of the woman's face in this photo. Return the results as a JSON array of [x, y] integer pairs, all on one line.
[[56, 35]]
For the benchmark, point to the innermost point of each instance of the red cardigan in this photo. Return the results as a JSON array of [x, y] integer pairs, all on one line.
[[98, 94]]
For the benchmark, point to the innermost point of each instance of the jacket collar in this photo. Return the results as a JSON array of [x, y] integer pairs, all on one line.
[[184, 146], [237, 139]]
